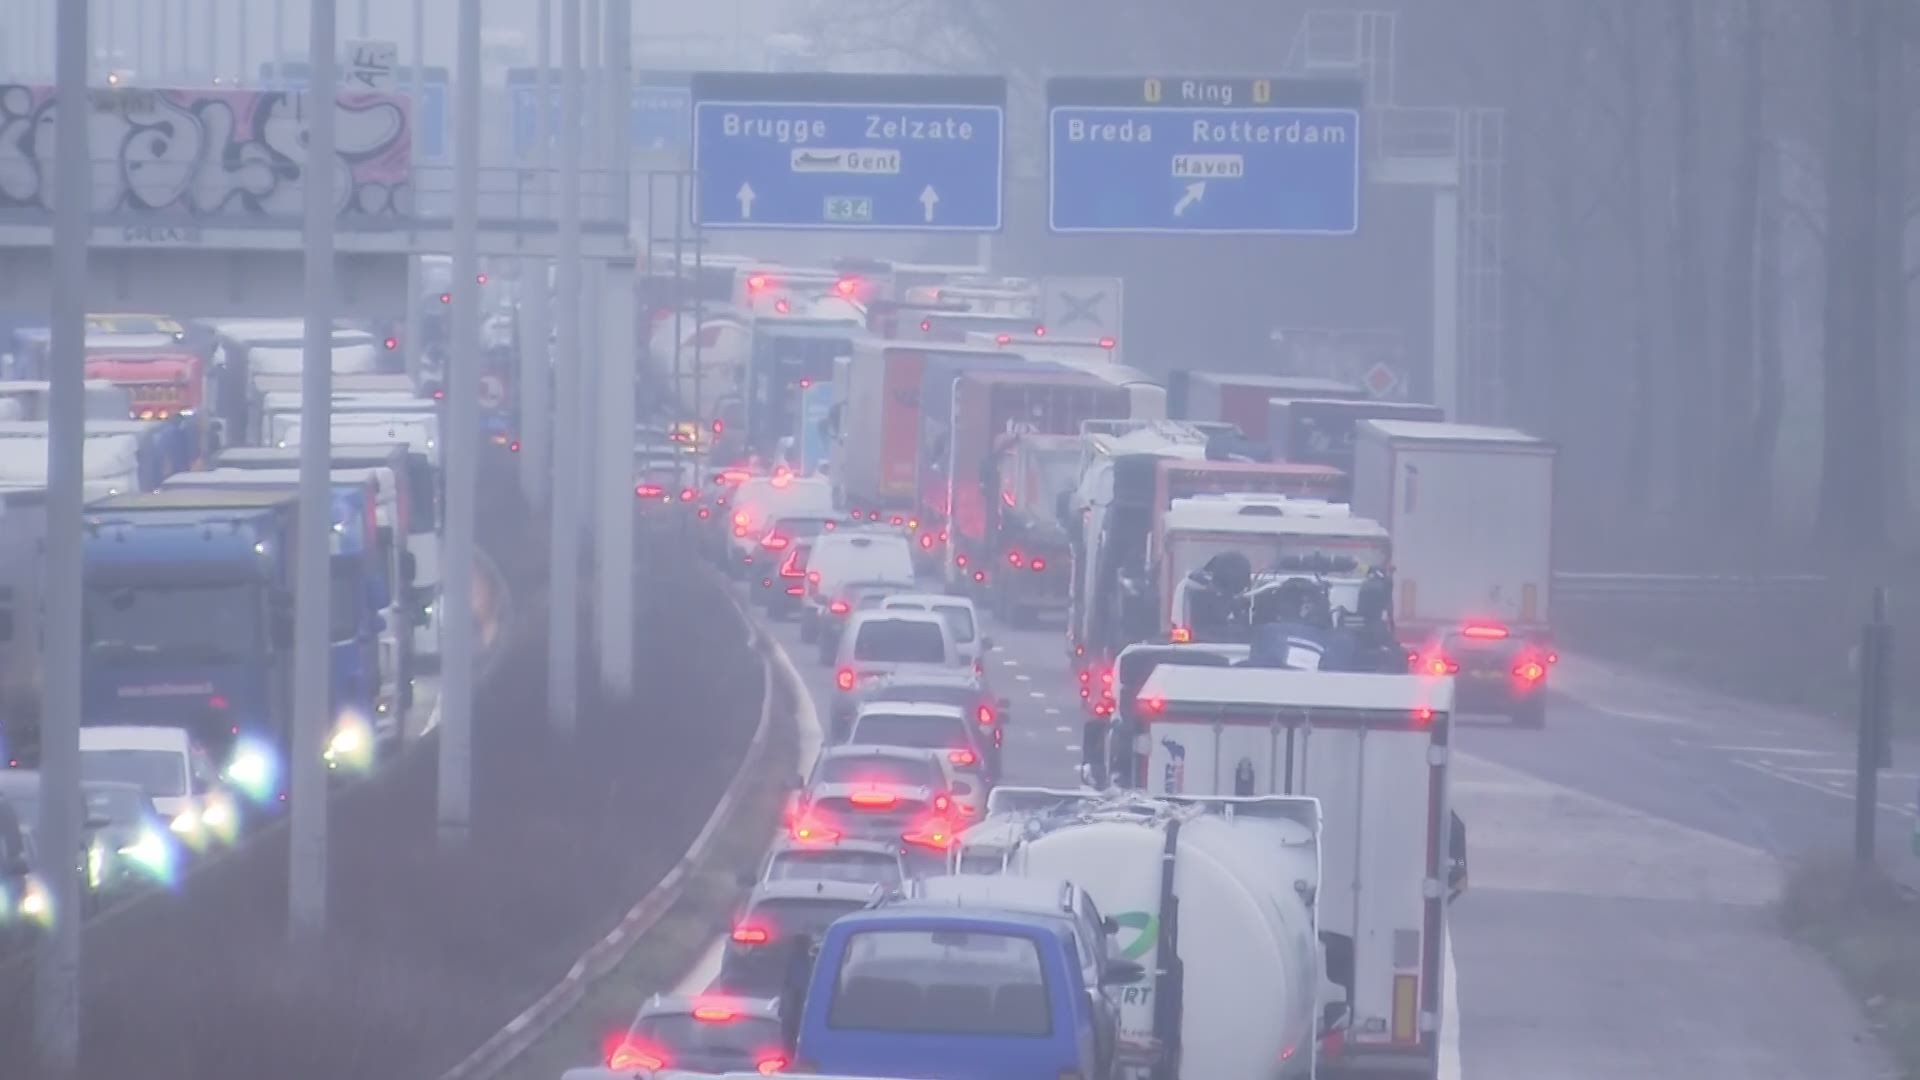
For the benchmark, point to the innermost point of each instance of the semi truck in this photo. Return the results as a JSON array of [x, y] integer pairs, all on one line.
[[110, 464], [1241, 399], [1471, 511], [160, 448], [1217, 899], [166, 383], [877, 424], [23, 564], [1374, 750], [1320, 431], [370, 670], [789, 355], [188, 613], [992, 409], [1031, 478]]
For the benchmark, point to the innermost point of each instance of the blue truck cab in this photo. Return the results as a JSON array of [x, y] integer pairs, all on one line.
[[187, 620], [989, 995], [365, 664]]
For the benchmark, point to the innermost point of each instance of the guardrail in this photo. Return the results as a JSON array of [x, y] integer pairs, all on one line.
[[1597, 585]]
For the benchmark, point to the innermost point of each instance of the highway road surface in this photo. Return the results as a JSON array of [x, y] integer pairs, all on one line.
[[1625, 861]]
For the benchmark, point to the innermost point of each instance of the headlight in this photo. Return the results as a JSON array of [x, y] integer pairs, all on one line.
[[150, 851], [186, 822], [96, 865], [352, 742], [35, 904], [252, 770]]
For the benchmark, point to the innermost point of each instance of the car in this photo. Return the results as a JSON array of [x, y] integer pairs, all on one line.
[[779, 917], [925, 725], [176, 773], [131, 849], [959, 613], [968, 691], [704, 1034], [24, 902], [1056, 899], [875, 862], [882, 643], [865, 554], [788, 590], [886, 793], [784, 534], [856, 597], [764, 499], [1493, 670], [21, 788]]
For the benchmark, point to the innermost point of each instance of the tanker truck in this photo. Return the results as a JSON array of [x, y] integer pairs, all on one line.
[[1215, 898]]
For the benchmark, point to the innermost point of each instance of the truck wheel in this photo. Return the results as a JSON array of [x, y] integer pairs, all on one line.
[[1531, 713]]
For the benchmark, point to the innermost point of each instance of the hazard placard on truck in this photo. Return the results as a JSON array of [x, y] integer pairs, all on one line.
[[1374, 750]]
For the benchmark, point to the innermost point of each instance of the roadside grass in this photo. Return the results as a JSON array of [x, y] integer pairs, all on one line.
[[1869, 929]]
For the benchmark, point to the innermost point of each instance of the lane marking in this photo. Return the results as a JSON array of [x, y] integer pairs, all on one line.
[[1051, 711], [1023, 678], [1897, 777], [1777, 751], [1635, 714], [1845, 791], [1073, 748], [1036, 693], [1063, 730], [1009, 661]]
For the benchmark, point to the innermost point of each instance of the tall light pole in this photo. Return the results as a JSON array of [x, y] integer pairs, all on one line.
[[307, 875], [536, 366], [563, 621], [613, 542], [57, 982], [462, 444]]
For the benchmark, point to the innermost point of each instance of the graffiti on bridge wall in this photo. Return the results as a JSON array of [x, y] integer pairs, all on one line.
[[209, 153]]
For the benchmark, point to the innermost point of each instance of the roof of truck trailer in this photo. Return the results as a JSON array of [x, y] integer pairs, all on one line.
[[1178, 684], [1297, 383], [195, 499], [1439, 431]]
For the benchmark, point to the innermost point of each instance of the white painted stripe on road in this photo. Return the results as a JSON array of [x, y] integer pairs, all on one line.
[[1009, 661], [1073, 748], [1036, 693], [1064, 730], [704, 970], [1450, 1012], [1897, 777], [1051, 711], [1774, 751], [1023, 678], [1635, 714], [1840, 791]]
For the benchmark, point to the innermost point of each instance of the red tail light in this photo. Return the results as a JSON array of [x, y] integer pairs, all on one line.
[[1003, 339], [926, 541], [734, 476], [926, 325], [790, 566], [774, 542], [874, 800], [1039, 331], [740, 519], [1530, 671], [984, 714], [705, 513], [392, 344], [626, 1057], [751, 935], [838, 607], [513, 447], [960, 561], [1422, 715], [934, 836], [1153, 705], [844, 679], [813, 832], [1014, 558], [758, 282], [781, 306], [846, 286], [1438, 665], [1039, 564], [980, 575], [942, 804], [1107, 343], [649, 491], [1484, 631], [813, 577], [217, 702], [897, 520], [1180, 635], [962, 757], [714, 1014], [771, 1065], [686, 494]]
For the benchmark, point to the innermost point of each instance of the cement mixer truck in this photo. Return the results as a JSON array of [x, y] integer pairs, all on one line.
[[1216, 899]]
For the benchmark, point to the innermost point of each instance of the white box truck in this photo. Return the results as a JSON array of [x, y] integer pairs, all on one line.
[[1373, 750], [1470, 510]]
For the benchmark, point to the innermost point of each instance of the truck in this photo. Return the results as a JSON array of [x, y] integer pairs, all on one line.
[[1320, 431], [158, 451], [991, 411], [876, 424], [1216, 899], [1184, 478], [166, 382], [245, 348], [1032, 477], [188, 615], [110, 464], [789, 355], [1199, 538], [1097, 356], [30, 399], [1241, 399], [282, 409], [1375, 750], [1471, 511], [370, 672], [23, 558]]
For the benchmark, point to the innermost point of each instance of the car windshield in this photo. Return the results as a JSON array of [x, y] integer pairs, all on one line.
[[160, 773], [204, 623], [828, 864], [906, 772], [941, 982], [786, 917], [921, 732], [800, 528], [682, 1034], [119, 805], [900, 641]]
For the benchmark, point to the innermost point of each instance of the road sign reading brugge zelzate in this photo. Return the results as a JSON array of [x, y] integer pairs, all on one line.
[[848, 152], [1169, 154]]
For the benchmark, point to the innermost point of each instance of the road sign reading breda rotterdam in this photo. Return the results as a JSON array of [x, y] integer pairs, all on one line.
[[848, 152], [1173, 154]]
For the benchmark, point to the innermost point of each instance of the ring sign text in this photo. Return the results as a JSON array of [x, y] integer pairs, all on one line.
[[848, 152], [1166, 154]]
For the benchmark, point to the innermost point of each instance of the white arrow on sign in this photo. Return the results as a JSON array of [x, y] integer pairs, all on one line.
[[1195, 192], [745, 195], [928, 200]]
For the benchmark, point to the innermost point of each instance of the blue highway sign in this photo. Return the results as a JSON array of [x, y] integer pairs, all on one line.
[[429, 113], [1173, 154], [849, 152], [660, 113]]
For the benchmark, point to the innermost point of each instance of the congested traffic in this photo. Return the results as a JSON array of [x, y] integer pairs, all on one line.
[[193, 430], [1269, 617]]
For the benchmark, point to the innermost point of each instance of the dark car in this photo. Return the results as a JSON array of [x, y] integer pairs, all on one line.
[[706, 1034], [786, 588], [862, 862], [1493, 669], [780, 916], [969, 691], [783, 535]]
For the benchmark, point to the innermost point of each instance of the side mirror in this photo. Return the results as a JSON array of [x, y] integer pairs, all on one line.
[[409, 568], [1122, 973]]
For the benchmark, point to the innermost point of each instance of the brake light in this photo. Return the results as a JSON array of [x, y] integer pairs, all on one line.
[[771, 1065], [844, 678], [935, 837], [750, 935], [846, 286], [1485, 631], [649, 491], [1153, 705], [217, 702], [942, 804], [758, 282], [714, 1014], [1039, 331], [1104, 709], [962, 757], [984, 714], [897, 520], [873, 800], [926, 325], [838, 607], [813, 577], [960, 561], [979, 575], [1039, 564], [1003, 339], [705, 513], [1014, 558], [781, 307], [813, 832], [790, 566], [1531, 671], [626, 1057], [740, 519], [734, 476], [926, 541], [1439, 665], [1422, 715], [1180, 635], [774, 541], [686, 494], [1107, 343]]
